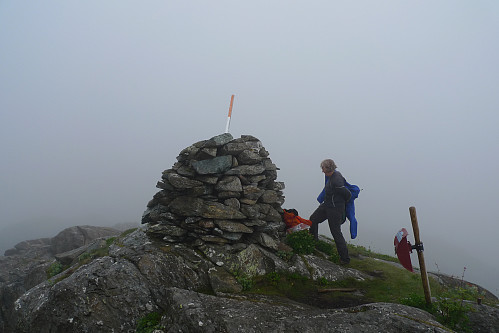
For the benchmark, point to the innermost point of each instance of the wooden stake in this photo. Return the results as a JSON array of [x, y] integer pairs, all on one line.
[[422, 266]]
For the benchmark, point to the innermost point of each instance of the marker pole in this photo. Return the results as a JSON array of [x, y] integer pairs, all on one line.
[[230, 114], [419, 248]]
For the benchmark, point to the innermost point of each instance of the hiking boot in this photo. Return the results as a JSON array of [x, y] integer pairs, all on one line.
[[344, 263]]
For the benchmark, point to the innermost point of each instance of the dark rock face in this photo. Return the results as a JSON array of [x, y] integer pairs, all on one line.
[[141, 275], [66, 240], [221, 190], [75, 237], [25, 266], [41, 246], [193, 312], [484, 319]]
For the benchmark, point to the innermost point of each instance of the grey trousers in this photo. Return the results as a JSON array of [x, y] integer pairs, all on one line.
[[334, 217]]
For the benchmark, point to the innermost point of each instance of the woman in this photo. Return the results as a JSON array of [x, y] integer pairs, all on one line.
[[333, 208]]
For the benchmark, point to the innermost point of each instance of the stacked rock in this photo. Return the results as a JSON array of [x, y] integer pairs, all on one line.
[[221, 190]]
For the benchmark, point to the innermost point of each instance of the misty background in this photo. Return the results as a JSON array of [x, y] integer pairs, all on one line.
[[98, 98]]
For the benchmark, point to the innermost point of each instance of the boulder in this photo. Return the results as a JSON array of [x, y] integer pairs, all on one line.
[[75, 237]]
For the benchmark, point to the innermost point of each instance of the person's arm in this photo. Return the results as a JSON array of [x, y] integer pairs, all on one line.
[[336, 187], [344, 193]]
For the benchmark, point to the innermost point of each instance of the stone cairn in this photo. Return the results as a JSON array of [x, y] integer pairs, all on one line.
[[222, 191]]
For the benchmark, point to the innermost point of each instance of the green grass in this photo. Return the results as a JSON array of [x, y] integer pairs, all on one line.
[[394, 282], [358, 250], [149, 323], [302, 242], [54, 269], [293, 286], [390, 283]]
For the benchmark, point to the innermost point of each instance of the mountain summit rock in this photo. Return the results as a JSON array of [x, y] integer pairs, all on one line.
[[214, 224]]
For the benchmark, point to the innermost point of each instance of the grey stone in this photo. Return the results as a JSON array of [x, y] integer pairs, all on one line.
[[212, 180], [216, 210], [153, 202], [248, 138], [216, 165], [321, 268], [254, 223], [483, 318], [165, 185], [186, 171], [207, 224], [248, 201], [251, 211], [273, 215], [192, 219], [273, 228], [252, 192], [75, 237], [229, 183], [214, 239], [29, 245], [206, 153], [249, 157], [166, 229], [256, 179], [278, 186], [232, 236], [181, 182], [204, 143], [280, 200], [217, 231], [253, 262], [222, 139], [246, 170], [267, 163], [187, 206], [234, 148], [227, 225], [69, 257], [263, 152], [233, 202], [228, 195], [269, 196], [222, 281], [198, 191], [168, 216], [267, 241], [187, 153]]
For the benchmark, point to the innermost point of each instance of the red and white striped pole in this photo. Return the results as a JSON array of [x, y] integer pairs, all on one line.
[[230, 113]]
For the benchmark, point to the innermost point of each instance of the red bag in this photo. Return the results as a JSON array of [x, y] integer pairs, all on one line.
[[292, 220]]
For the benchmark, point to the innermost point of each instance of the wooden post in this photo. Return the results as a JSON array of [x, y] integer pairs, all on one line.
[[419, 248]]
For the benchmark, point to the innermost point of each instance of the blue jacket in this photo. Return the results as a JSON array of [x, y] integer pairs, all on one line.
[[349, 206]]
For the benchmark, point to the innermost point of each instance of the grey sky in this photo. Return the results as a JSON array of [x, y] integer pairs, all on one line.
[[98, 98]]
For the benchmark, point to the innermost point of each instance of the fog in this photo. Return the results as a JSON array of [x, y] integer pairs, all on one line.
[[98, 98]]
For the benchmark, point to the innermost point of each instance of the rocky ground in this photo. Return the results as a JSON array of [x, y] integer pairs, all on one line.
[[195, 292], [214, 224]]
